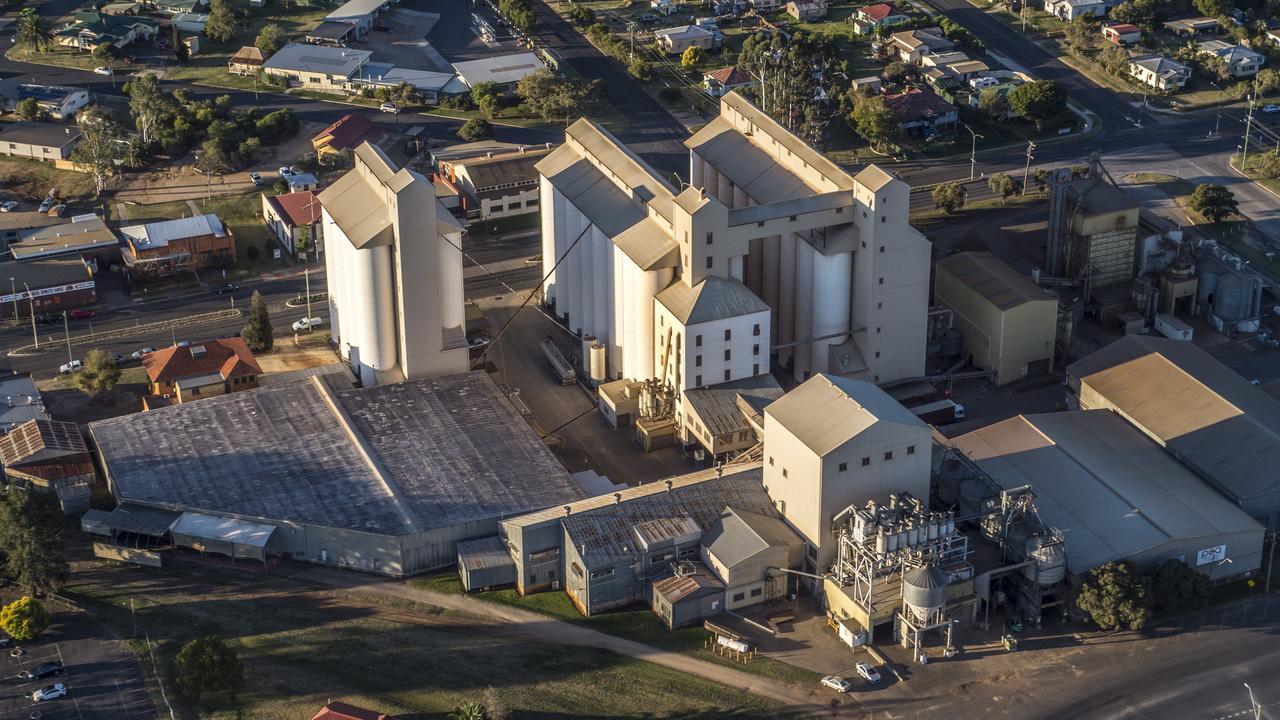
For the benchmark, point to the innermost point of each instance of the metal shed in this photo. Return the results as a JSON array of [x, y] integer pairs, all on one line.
[[688, 597], [484, 564], [223, 535]]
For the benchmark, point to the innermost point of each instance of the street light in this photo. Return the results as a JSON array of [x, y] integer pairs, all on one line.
[[973, 151], [31, 303], [1253, 704]]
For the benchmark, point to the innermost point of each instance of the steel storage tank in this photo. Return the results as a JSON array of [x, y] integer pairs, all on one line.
[[597, 362], [585, 353], [952, 343], [1208, 272], [924, 589], [1050, 557]]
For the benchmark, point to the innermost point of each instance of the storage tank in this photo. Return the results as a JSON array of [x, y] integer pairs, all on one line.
[[1050, 558], [584, 353], [952, 343], [597, 362], [1208, 271], [924, 589], [449, 256], [1238, 297]]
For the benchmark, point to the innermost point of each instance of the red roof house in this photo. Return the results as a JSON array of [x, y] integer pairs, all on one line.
[[719, 82], [345, 134], [922, 110], [288, 213], [343, 711], [878, 12], [199, 370]]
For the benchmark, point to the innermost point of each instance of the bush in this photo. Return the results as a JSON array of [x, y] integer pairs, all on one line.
[[475, 129], [670, 95], [1115, 596], [208, 664], [24, 619]]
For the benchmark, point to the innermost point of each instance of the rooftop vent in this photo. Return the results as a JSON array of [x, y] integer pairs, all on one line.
[[197, 351]]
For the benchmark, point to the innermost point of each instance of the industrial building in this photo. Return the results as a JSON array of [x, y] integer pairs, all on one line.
[[85, 237], [1093, 230], [1114, 494], [393, 257], [166, 247], [382, 479], [771, 250], [1006, 320], [1219, 425], [22, 401], [44, 286], [495, 186], [51, 456]]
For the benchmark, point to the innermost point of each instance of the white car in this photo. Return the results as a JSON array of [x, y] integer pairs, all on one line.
[[70, 367], [308, 324], [102, 70], [50, 692], [137, 354], [46, 204], [9, 206], [255, 178], [389, 107], [838, 684], [868, 672], [1269, 109], [285, 172]]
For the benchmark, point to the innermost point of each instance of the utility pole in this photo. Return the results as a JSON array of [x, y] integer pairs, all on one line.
[[1248, 130], [35, 338], [1271, 561], [306, 276], [1253, 704], [66, 332], [1026, 171], [13, 291], [973, 152]]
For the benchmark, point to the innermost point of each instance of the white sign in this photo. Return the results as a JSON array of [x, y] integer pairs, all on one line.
[[42, 292], [1211, 555]]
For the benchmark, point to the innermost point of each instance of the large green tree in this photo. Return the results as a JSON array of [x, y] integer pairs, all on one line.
[[949, 197], [475, 129], [1213, 201], [549, 96], [992, 102], [99, 375], [207, 664], [31, 540], [100, 148], [797, 77], [874, 121], [32, 32], [223, 23], [691, 57], [1038, 101], [257, 333], [1177, 588], [270, 39], [488, 97], [28, 109], [1003, 186], [24, 619], [1115, 596]]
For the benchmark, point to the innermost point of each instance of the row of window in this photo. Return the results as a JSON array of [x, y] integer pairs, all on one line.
[[755, 592], [755, 351], [697, 379], [866, 460], [728, 334]]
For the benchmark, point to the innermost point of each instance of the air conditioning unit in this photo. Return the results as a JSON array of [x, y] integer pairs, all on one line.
[[555, 584]]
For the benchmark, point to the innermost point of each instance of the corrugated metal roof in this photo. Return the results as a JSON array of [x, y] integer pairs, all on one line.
[[714, 298], [654, 533], [41, 439], [719, 406], [993, 279], [223, 529], [483, 554], [678, 588], [738, 535], [141, 520], [300, 57], [501, 69], [356, 8], [160, 234], [1111, 491], [826, 411], [1213, 419]]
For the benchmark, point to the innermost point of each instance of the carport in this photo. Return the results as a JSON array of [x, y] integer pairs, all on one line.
[[223, 535], [130, 525]]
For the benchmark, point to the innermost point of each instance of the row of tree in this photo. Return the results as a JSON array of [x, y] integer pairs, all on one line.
[[1119, 596]]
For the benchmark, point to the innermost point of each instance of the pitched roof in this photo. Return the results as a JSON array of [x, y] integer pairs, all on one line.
[[298, 208], [1160, 65], [488, 172], [993, 279], [43, 134], [1123, 28], [160, 234], [347, 132], [915, 103], [931, 37], [826, 411], [502, 69], [683, 32], [226, 358], [248, 55], [738, 535], [729, 76], [343, 711], [879, 11], [340, 62], [712, 299], [41, 439]]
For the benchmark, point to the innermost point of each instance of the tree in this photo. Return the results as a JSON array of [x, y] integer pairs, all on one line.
[[670, 95], [32, 31], [270, 39], [100, 148], [469, 711], [277, 125], [800, 74], [31, 540], [1038, 101], [475, 129], [180, 50], [874, 121], [897, 71], [519, 13], [1115, 596], [1177, 588], [1267, 81], [993, 103], [1269, 166], [1215, 68], [1080, 33], [1213, 8], [488, 97], [692, 57], [581, 15], [1115, 59], [104, 52], [1213, 201], [149, 106], [28, 109], [24, 619], [223, 24], [303, 245], [257, 333], [99, 374], [949, 197], [208, 664], [554, 99], [1002, 185]]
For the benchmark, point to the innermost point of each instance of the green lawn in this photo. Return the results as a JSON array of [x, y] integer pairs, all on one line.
[[639, 625], [1255, 162], [304, 645], [209, 66], [989, 206]]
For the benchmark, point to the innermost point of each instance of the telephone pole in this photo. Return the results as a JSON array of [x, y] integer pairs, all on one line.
[[1026, 171], [973, 152], [1248, 130]]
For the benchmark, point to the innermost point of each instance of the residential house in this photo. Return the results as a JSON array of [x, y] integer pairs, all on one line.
[[88, 29], [170, 246], [674, 41], [911, 45], [315, 67], [1190, 27], [1071, 9], [190, 22], [183, 373], [343, 711], [1122, 33], [804, 10], [718, 82], [248, 60], [292, 215], [503, 70], [122, 7], [996, 86], [38, 140], [1159, 72], [922, 112], [1241, 61], [429, 84], [302, 182], [867, 20], [967, 70], [174, 7], [496, 186], [766, 5], [344, 135], [59, 102]]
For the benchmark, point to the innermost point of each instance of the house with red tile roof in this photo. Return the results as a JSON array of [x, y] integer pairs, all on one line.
[[291, 215], [343, 711], [345, 135], [183, 373], [718, 82], [868, 19], [923, 112]]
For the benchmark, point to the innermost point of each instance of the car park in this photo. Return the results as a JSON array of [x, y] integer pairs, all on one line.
[[50, 692], [8, 206], [836, 683], [83, 314], [70, 367], [868, 672]]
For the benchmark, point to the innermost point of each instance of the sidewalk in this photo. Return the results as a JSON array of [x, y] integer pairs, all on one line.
[[544, 628]]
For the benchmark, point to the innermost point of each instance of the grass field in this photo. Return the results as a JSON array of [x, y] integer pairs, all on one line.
[[639, 625], [302, 646], [1255, 163], [209, 66]]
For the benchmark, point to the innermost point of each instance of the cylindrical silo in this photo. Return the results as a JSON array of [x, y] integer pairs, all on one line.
[[546, 201], [740, 199], [710, 179], [804, 308], [371, 276], [725, 191], [584, 352], [769, 281], [735, 268], [1050, 560], [696, 165], [924, 590], [786, 295], [588, 278], [570, 275], [1208, 272], [598, 372], [618, 303], [452, 312], [560, 214], [832, 286]]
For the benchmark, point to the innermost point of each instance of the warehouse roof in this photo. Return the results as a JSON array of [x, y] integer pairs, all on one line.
[[298, 57], [993, 279], [84, 232], [390, 459], [688, 585], [356, 8], [738, 535], [502, 69], [721, 406], [488, 172], [224, 529], [141, 520], [45, 272], [1214, 420], [20, 397], [1111, 492], [713, 299], [484, 554], [826, 411], [41, 439], [160, 234]]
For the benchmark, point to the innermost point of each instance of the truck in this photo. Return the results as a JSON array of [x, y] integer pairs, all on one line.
[[940, 412], [1173, 328], [561, 367]]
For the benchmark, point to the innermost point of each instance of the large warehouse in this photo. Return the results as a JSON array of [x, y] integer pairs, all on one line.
[[1114, 494], [1221, 426], [385, 479]]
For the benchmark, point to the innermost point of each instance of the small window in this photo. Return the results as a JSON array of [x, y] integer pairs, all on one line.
[[770, 461], [728, 334], [877, 331], [784, 472], [844, 466], [866, 462], [697, 341], [760, 224], [877, 353], [883, 218], [755, 349], [879, 306], [697, 361], [880, 281], [911, 449], [727, 355], [755, 330], [881, 248], [697, 381], [709, 238], [792, 218], [739, 597], [839, 211], [888, 455], [755, 369], [756, 592], [726, 376], [710, 262]]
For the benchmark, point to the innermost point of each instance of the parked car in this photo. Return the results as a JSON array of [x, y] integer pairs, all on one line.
[[51, 692], [121, 360], [838, 684], [868, 672], [6, 641], [58, 210], [285, 172], [648, 18], [255, 178], [308, 324], [182, 343], [137, 354], [67, 369], [225, 289], [8, 206], [1270, 109], [83, 314], [102, 70], [53, 667], [47, 319], [46, 204], [389, 107]]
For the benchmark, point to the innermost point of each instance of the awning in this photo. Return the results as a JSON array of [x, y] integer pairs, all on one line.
[[223, 529], [141, 520]]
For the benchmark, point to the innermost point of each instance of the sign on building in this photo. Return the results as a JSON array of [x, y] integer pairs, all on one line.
[[1211, 555]]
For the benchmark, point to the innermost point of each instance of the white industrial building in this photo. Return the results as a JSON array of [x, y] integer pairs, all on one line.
[[393, 257], [772, 249]]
